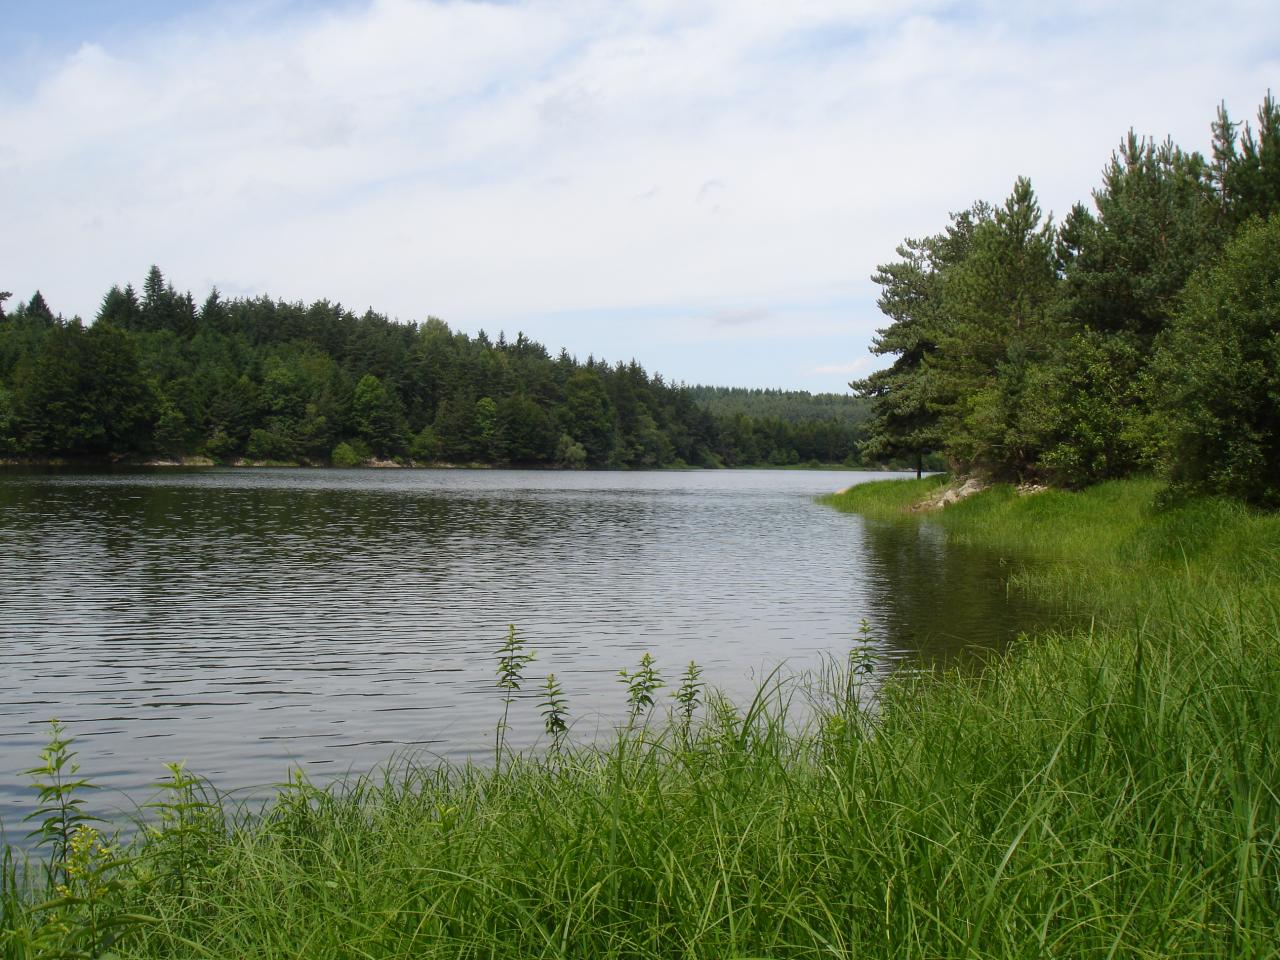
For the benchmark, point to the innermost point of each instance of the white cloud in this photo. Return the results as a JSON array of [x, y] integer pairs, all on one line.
[[484, 162], [856, 366]]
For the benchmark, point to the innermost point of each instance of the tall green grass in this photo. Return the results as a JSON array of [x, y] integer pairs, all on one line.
[[1109, 792], [885, 498]]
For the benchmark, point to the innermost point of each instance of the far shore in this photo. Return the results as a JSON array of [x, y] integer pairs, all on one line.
[[381, 464]]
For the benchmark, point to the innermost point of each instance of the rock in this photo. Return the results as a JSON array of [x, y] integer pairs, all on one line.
[[949, 495]]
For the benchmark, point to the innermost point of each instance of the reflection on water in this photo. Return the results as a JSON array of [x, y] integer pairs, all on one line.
[[936, 600], [245, 620]]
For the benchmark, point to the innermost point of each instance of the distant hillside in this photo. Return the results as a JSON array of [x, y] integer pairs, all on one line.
[[261, 380], [790, 406]]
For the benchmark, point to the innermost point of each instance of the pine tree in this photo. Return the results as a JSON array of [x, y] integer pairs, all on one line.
[[906, 420], [38, 310], [1246, 168], [1216, 373], [997, 330], [119, 308]]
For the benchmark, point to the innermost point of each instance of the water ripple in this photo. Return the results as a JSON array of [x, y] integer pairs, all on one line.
[[247, 620]]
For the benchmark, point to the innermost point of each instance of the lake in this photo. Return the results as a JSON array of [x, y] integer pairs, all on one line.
[[249, 620]]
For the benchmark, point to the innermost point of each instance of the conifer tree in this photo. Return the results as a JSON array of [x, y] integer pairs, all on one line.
[[1246, 167], [997, 331], [906, 420], [38, 310], [1216, 373]]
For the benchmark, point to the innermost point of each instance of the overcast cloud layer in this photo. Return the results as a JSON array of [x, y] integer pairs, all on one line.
[[704, 186]]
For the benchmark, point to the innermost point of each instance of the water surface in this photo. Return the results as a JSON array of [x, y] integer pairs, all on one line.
[[249, 620]]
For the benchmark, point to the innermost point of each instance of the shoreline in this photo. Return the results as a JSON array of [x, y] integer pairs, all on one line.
[[377, 464]]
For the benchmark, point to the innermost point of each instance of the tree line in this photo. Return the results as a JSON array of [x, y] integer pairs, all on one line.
[[156, 375], [1139, 334], [788, 426]]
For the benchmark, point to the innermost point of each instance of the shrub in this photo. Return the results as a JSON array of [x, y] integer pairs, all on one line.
[[1216, 373], [344, 455]]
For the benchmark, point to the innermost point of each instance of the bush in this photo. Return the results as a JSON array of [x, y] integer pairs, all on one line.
[[344, 455], [220, 446], [1216, 373], [570, 453], [425, 446], [270, 445]]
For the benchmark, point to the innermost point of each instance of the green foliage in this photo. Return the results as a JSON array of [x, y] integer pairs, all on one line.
[[171, 429], [37, 309], [9, 425], [570, 453], [1155, 223], [287, 383], [555, 712], [642, 684], [271, 446], [688, 697], [60, 808], [377, 418], [996, 300], [490, 438], [906, 397], [788, 426], [86, 914], [526, 429], [1246, 167], [512, 660], [1090, 418], [345, 455], [190, 819], [1216, 373], [425, 445], [81, 392], [885, 499], [861, 666], [588, 416], [1029, 352]]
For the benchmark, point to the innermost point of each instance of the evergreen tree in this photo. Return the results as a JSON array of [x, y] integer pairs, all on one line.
[[588, 415], [285, 381], [1156, 223], [455, 428], [213, 313], [9, 425], [996, 331], [37, 310], [1216, 373], [377, 418], [904, 422], [1246, 169], [120, 308], [530, 433]]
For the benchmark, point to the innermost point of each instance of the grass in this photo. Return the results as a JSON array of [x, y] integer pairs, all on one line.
[[1109, 792], [885, 499]]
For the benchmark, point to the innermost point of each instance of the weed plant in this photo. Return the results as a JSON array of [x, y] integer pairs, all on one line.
[[1107, 792]]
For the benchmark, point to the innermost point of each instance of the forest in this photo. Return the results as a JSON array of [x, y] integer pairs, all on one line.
[[1139, 336], [790, 405], [265, 381]]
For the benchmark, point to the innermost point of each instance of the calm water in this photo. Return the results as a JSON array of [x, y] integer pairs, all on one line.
[[249, 620]]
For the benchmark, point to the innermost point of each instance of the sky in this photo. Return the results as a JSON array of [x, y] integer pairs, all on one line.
[[705, 186]]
